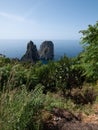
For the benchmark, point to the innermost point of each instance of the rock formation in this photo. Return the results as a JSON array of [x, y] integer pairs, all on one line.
[[46, 51], [31, 53]]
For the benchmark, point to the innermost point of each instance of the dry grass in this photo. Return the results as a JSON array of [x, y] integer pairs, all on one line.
[[92, 118]]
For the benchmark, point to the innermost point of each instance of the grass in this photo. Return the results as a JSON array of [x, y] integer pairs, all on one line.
[[22, 109], [18, 107]]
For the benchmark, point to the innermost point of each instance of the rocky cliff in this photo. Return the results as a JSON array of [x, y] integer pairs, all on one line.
[[31, 53], [46, 51]]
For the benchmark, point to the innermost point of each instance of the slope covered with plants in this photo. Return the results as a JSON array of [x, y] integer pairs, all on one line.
[[29, 92]]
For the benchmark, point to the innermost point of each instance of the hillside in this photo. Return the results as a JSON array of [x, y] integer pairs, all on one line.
[[30, 92]]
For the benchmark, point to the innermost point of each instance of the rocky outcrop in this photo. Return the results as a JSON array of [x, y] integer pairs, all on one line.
[[62, 119], [46, 51], [1, 55], [31, 54]]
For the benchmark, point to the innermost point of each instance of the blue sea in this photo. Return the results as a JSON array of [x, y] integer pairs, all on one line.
[[17, 48]]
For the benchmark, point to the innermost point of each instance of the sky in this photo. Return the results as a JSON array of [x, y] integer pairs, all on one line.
[[46, 19]]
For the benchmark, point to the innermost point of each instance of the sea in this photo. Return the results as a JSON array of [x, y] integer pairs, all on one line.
[[17, 48]]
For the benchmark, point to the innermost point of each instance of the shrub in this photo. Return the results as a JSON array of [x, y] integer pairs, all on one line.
[[4, 75], [84, 96], [69, 74], [46, 76]]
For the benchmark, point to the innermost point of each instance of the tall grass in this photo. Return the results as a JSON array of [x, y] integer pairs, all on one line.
[[18, 108]]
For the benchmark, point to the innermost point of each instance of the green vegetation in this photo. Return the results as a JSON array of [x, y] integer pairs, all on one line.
[[18, 108], [90, 54], [26, 90]]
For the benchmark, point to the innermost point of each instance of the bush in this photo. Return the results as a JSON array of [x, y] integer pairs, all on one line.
[[4, 75], [84, 96], [46, 76], [69, 74]]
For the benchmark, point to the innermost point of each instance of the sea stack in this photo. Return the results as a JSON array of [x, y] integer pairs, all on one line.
[[31, 54], [46, 51]]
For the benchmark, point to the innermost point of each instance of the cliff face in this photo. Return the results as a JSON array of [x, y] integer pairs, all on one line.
[[46, 51], [31, 53]]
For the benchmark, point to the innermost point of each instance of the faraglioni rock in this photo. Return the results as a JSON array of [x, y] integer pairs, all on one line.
[[31, 54], [46, 51]]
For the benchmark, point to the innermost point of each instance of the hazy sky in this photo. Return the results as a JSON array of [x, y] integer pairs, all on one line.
[[46, 19]]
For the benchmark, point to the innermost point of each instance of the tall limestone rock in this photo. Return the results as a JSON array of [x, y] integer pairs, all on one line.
[[46, 51], [31, 53]]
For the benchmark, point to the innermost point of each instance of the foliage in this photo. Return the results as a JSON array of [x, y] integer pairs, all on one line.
[[69, 74], [18, 108], [4, 74], [23, 97], [63, 74], [53, 100], [12, 76], [46, 76], [4, 60], [84, 96], [90, 53]]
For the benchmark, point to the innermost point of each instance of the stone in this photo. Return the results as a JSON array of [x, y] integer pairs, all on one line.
[[46, 51], [62, 119], [31, 54]]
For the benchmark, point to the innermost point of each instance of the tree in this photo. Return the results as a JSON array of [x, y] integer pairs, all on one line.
[[89, 41]]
